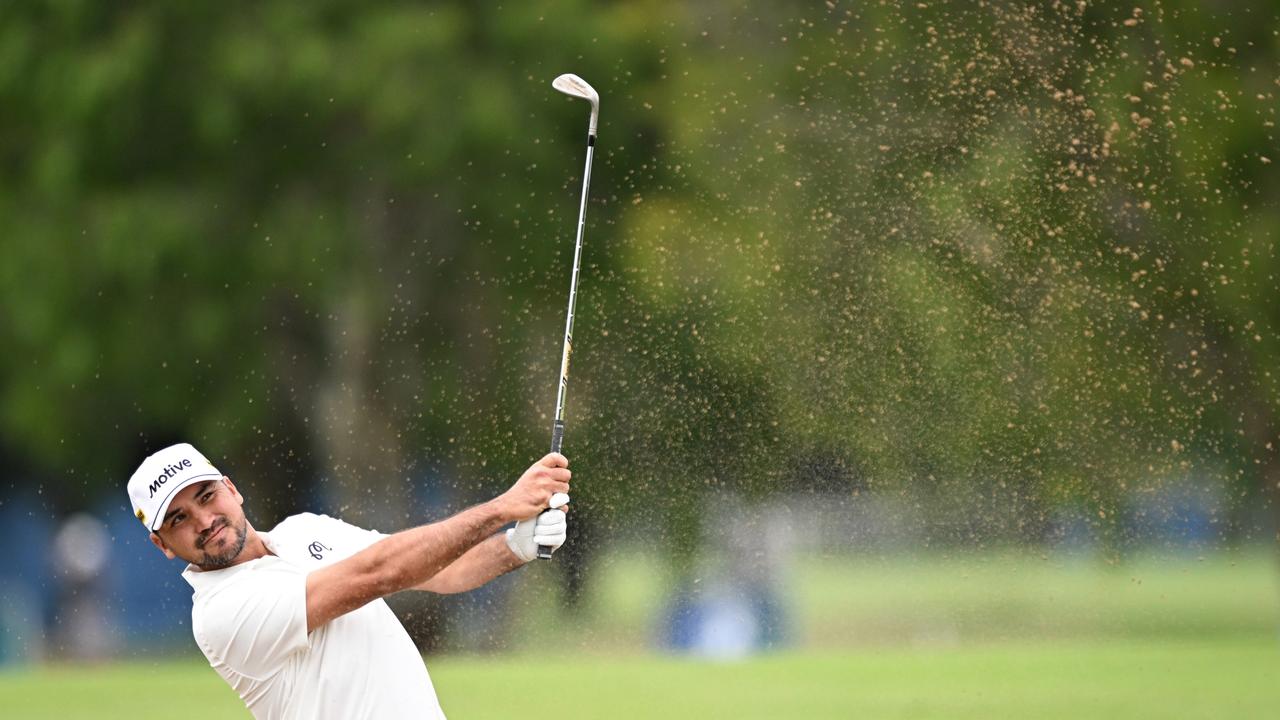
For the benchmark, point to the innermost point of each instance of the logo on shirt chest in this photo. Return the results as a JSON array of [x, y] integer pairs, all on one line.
[[318, 549]]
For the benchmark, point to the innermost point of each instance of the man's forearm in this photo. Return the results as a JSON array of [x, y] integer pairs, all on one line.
[[411, 557], [476, 567]]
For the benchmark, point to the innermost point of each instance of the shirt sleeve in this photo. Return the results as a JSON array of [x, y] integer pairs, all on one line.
[[254, 624]]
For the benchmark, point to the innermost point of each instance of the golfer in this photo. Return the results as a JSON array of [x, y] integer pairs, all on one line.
[[293, 619]]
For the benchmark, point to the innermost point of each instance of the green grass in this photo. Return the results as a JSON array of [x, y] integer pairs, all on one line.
[[1121, 679], [841, 602], [1001, 635], [1012, 596]]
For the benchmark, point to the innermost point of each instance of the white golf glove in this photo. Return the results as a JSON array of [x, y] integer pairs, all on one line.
[[548, 528]]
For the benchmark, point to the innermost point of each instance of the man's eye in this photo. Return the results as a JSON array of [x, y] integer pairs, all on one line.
[[206, 496], [176, 521]]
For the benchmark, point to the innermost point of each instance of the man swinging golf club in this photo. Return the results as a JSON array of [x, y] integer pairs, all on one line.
[[293, 619]]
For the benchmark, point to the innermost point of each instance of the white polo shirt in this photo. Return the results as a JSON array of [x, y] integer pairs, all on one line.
[[250, 620]]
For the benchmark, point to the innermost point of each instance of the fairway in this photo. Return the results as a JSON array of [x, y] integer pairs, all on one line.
[[993, 636], [1069, 680]]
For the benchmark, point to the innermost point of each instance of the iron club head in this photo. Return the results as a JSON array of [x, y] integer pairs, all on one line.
[[574, 86]]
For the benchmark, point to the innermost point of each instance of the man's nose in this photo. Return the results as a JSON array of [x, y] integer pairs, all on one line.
[[205, 519]]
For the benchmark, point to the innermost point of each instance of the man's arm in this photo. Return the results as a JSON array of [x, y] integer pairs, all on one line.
[[474, 568], [410, 558], [503, 553]]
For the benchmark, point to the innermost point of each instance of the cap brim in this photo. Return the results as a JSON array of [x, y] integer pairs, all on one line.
[[158, 520]]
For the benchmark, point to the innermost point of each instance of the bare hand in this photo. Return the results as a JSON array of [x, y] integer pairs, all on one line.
[[532, 492]]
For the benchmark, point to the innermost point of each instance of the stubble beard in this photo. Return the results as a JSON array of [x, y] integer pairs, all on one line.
[[223, 559]]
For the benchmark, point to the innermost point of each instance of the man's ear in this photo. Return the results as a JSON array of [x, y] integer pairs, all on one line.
[[232, 487], [159, 543]]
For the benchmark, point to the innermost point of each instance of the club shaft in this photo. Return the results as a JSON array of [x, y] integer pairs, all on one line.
[[567, 350], [557, 425]]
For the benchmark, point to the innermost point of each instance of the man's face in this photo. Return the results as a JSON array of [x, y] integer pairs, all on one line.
[[204, 525]]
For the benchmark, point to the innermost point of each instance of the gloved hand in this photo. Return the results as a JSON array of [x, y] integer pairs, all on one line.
[[548, 528]]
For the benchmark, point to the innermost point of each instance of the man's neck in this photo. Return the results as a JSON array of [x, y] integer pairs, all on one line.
[[254, 548]]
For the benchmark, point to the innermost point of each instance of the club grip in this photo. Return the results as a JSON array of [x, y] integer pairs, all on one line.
[[557, 441], [544, 551]]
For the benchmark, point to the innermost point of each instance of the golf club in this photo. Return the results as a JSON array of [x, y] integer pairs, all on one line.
[[573, 86]]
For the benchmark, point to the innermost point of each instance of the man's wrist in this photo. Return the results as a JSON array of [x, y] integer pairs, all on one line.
[[494, 513], [513, 546]]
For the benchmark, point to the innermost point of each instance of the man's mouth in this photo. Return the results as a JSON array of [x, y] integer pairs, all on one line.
[[213, 535]]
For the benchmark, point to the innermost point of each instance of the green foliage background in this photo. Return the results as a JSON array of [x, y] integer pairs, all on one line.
[[1001, 257]]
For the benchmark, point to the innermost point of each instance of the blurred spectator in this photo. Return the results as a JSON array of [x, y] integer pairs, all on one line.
[[81, 549], [734, 608]]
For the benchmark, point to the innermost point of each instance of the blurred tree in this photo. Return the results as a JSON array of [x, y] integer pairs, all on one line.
[[1000, 258], [1003, 257], [244, 225]]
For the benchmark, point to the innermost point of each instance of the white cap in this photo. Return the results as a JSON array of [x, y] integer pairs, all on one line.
[[161, 476]]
